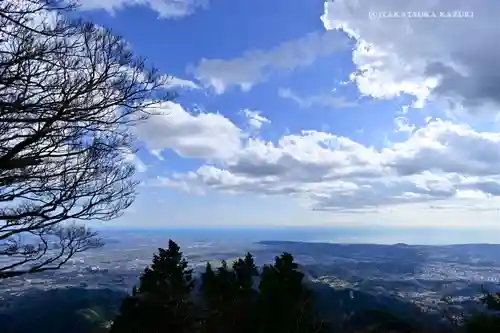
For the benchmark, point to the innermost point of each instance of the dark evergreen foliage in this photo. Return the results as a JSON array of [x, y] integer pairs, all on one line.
[[285, 304], [162, 302], [229, 298]]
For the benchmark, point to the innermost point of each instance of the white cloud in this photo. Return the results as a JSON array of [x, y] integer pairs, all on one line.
[[175, 82], [165, 8], [255, 119], [436, 58], [201, 135], [256, 66], [403, 125], [328, 100], [133, 159], [448, 147], [441, 163]]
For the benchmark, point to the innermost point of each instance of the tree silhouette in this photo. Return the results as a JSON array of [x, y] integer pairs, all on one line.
[[211, 300], [219, 291], [69, 93], [228, 300], [162, 303], [285, 303], [245, 310]]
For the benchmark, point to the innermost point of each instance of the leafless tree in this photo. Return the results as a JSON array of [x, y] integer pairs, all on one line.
[[70, 93]]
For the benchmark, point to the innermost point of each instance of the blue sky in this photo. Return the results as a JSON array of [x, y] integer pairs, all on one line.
[[311, 113]]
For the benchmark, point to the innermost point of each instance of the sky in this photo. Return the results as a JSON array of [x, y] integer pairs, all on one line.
[[311, 113]]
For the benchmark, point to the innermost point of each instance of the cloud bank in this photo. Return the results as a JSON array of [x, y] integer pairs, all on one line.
[[445, 58], [437, 162]]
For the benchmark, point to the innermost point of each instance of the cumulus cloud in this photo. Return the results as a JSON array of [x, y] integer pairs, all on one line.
[[328, 100], [165, 8], [257, 66], [436, 58], [451, 148], [195, 135], [437, 163]]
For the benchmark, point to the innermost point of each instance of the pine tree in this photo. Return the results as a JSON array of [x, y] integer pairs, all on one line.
[[210, 299], [285, 304], [245, 270], [162, 303], [208, 281], [244, 310], [218, 294], [229, 298]]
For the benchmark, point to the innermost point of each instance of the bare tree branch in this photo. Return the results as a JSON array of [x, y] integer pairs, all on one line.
[[70, 93], [56, 246]]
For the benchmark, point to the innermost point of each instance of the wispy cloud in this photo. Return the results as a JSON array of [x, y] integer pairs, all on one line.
[[256, 66], [175, 82], [255, 119], [168, 9], [328, 100]]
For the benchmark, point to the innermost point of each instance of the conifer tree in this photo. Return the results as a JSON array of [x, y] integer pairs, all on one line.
[[229, 298], [162, 303], [244, 310], [285, 304], [210, 299], [218, 293], [208, 280], [245, 270]]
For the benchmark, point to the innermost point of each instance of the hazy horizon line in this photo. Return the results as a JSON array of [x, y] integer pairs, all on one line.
[[310, 227]]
